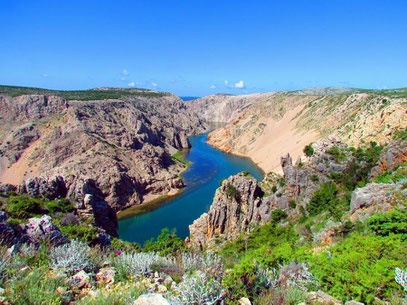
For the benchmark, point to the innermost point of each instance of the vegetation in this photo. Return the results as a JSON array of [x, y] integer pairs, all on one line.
[[82, 95], [180, 158], [308, 150]]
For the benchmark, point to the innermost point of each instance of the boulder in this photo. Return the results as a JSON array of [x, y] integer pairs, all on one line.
[[39, 229], [80, 280], [106, 275], [151, 299]]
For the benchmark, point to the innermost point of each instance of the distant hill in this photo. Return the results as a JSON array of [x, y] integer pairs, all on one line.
[[82, 95]]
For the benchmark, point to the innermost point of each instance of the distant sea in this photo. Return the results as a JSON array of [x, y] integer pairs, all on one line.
[[188, 98]]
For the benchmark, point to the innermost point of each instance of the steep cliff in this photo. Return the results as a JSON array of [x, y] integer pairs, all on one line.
[[117, 149], [326, 182]]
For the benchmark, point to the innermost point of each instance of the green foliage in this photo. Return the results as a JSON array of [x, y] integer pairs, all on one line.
[[83, 95], [241, 281], [166, 243], [392, 222], [308, 150], [36, 287], [124, 246], [23, 206], [278, 215], [314, 178], [337, 153], [323, 199], [116, 297], [361, 267], [231, 191], [292, 204], [274, 189], [83, 233], [395, 175], [400, 134], [221, 181]]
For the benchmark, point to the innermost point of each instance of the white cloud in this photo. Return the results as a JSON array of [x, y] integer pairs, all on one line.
[[131, 84], [125, 72], [154, 84], [45, 75], [212, 87], [239, 84], [122, 78]]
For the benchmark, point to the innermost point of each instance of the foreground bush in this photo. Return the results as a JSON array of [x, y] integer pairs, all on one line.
[[71, 257]]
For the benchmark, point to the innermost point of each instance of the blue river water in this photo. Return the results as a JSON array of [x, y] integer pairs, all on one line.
[[209, 167]]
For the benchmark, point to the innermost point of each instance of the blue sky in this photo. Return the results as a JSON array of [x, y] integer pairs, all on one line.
[[201, 47]]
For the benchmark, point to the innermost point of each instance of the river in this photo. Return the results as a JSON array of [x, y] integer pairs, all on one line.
[[209, 167]]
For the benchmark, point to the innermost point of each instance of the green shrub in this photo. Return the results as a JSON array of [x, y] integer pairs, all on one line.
[[231, 191], [36, 287], [166, 243], [292, 204], [83, 233], [308, 150], [361, 267], [278, 215], [323, 199], [392, 222]]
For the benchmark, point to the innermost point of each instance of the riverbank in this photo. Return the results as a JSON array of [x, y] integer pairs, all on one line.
[[208, 167]]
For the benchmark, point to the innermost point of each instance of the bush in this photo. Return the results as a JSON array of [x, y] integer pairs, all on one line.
[[83, 233], [138, 263], [308, 150], [36, 287], [392, 222], [361, 267], [71, 257], [278, 215], [199, 289], [231, 191], [323, 199], [292, 204], [166, 243]]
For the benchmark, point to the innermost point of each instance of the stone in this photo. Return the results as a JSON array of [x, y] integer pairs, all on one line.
[[161, 289], [40, 229], [372, 198], [106, 275], [244, 301], [354, 303], [80, 279], [151, 299], [322, 298]]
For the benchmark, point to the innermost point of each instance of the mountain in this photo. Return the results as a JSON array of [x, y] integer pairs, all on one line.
[[74, 143], [266, 126]]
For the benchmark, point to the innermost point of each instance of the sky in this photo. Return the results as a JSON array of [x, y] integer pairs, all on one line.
[[202, 47]]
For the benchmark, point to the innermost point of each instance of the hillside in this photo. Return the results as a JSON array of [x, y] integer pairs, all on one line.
[[287, 121], [117, 150]]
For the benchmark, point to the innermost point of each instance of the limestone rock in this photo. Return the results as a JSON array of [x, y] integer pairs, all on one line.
[[354, 303], [40, 229], [374, 197], [151, 299], [106, 275], [393, 155], [237, 203], [244, 301], [80, 279], [323, 298]]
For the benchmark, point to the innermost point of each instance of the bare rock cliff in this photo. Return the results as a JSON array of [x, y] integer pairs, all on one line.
[[118, 150]]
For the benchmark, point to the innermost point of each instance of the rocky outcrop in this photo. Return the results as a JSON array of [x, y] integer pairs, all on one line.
[[375, 198], [393, 155], [41, 229], [119, 150], [236, 205]]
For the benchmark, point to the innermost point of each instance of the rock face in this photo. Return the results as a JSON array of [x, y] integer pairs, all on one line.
[[119, 150], [241, 203], [285, 122], [375, 198], [237, 203], [223, 108], [395, 154]]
